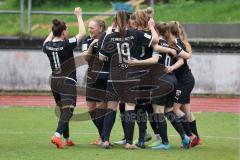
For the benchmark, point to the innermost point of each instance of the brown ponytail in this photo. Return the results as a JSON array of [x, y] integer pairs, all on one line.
[[177, 30], [122, 20], [58, 27]]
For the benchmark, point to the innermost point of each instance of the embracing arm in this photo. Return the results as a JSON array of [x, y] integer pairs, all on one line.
[[153, 60], [185, 55], [89, 51], [175, 66], [162, 49]]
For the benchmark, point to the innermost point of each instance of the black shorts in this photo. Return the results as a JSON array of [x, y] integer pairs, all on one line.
[[167, 99], [184, 89], [96, 91], [64, 91], [121, 91]]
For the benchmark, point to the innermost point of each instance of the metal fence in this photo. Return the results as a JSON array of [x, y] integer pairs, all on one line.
[[31, 12], [21, 12]]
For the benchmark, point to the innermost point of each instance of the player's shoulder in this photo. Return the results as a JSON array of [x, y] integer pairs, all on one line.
[[87, 39], [134, 31], [178, 40], [180, 43], [71, 40], [103, 34], [163, 42]]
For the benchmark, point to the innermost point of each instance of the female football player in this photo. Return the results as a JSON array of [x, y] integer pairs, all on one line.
[[164, 103], [59, 50], [185, 82], [96, 106], [117, 49], [141, 18]]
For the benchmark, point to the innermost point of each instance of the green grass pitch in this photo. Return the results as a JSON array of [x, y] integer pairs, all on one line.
[[25, 134]]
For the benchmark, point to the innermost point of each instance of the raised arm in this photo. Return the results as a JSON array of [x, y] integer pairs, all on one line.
[[49, 38], [81, 27], [151, 25]]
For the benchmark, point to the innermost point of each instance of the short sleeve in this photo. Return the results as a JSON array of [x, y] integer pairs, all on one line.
[[72, 43], [101, 39], [105, 48], [44, 48], [144, 39], [180, 46], [155, 53], [85, 44]]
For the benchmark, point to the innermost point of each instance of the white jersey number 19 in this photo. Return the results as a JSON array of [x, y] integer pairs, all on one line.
[[123, 52]]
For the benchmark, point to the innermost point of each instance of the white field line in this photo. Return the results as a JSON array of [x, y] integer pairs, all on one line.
[[93, 133]]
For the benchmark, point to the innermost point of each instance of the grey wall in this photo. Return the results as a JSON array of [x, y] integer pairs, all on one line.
[[29, 70], [212, 30]]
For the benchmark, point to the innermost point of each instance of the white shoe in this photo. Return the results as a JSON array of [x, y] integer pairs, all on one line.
[[121, 142], [147, 136]]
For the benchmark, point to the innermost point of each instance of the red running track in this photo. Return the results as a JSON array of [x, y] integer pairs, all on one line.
[[198, 104]]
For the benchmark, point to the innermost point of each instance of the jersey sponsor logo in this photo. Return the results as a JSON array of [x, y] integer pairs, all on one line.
[[178, 93], [72, 40], [54, 49], [147, 36], [84, 47]]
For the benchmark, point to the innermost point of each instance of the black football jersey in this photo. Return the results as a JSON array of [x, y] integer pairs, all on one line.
[[86, 43], [146, 51], [95, 65], [125, 47], [60, 55], [165, 58], [184, 69]]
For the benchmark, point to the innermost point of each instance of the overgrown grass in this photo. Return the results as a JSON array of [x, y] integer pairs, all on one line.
[[214, 11]]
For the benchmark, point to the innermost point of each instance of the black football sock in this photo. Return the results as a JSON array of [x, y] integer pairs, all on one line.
[[193, 127], [122, 113], [162, 127], [176, 123], [108, 124], [141, 121], [153, 124], [130, 118], [93, 116], [63, 122], [61, 127], [100, 115], [186, 125], [66, 132]]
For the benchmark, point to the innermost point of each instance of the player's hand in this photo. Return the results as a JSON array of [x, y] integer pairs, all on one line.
[[169, 69], [133, 61], [78, 11], [93, 42], [109, 30], [151, 23], [173, 52]]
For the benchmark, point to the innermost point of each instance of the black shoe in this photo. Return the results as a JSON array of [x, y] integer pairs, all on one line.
[[141, 145]]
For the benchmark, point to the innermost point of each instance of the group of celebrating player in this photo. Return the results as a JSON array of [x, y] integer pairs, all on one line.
[[136, 65]]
